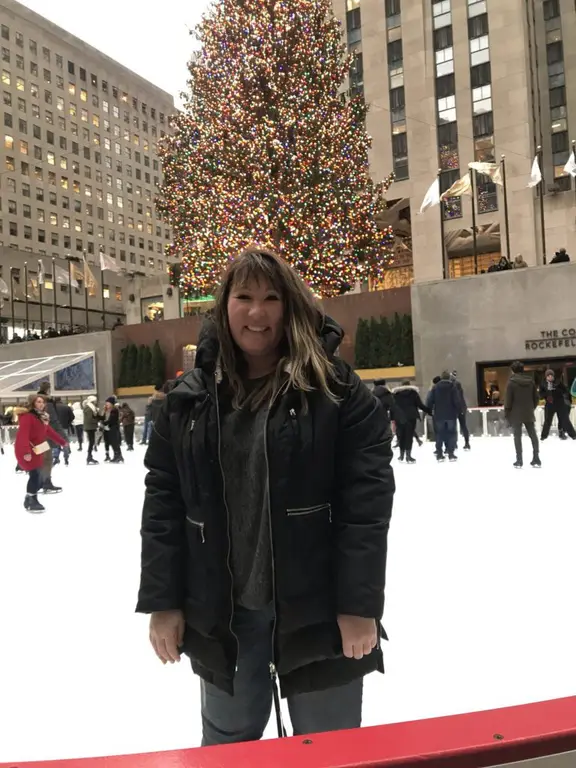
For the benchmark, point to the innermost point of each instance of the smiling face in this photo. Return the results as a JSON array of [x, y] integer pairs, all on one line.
[[256, 320], [39, 404]]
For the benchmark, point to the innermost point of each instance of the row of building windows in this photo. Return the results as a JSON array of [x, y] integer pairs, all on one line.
[[396, 89], [66, 241], [557, 93], [115, 92], [131, 257]]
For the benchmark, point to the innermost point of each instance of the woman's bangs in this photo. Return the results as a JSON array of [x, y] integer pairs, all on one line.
[[256, 267]]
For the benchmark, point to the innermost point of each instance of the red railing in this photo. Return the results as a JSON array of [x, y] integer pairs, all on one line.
[[476, 740]]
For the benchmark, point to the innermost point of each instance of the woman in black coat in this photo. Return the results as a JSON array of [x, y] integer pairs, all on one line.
[[409, 403], [268, 501], [557, 402]]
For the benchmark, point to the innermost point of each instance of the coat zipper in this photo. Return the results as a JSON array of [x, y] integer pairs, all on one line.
[[227, 524], [200, 527], [272, 666], [310, 511]]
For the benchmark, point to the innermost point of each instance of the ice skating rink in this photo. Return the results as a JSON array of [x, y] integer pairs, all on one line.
[[480, 603]]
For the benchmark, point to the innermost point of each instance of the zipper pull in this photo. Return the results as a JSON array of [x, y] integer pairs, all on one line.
[[192, 425], [292, 413]]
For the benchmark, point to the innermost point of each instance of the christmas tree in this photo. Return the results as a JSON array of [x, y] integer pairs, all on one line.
[[270, 150]]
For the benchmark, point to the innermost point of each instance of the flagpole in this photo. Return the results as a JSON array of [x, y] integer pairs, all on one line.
[[54, 284], [70, 290], [86, 295], [540, 155], [12, 300], [474, 240], [40, 293], [102, 290], [445, 263], [26, 295], [506, 219]]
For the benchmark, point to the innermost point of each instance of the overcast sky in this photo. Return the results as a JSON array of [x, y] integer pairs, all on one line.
[[151, 39]]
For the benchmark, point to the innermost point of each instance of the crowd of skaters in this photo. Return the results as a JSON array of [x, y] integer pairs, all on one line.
[[446, 405]]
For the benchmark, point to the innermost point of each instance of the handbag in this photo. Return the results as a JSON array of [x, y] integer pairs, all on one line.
[[41, 448]]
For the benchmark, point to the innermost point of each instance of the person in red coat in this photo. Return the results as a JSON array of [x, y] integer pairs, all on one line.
[[32, 437]]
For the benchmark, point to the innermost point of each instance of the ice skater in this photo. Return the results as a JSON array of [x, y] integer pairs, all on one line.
[[409, 403], [91, 421], [78, 423], [34, 432], [111, 431], [557, 403], [520, 402], [464, 431], [445, 403]]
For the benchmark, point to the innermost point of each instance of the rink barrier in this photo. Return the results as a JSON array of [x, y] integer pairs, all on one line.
[[501, 737]]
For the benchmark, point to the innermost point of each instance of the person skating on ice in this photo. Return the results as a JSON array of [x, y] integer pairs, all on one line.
[[409, 403], [34, 432], [91, 421], [445, 403], [128, 420], [50, 408], [111, 431], [464, 431], [267, 507], [520, 402], [557, 402], [78, 423], [65, 419]]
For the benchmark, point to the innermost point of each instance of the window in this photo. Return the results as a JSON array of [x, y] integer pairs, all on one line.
[[554, 52], [7, 98], [479, 50], [84, 115], [20, 84], [51, 158], [483, 125], [82, 74], [560, 143], [12, 207], [8, 142], [6, 77], [482, 99], [395, 55], [71, 67], [478, 26], [392, 17], [441, 14], [115, 111], [19, 39], [23, 147], [27, 233], [22, 126], [8, 119], [25, 190], [19, 62], [40, 215], [84, 95], [447, 109], [96, 121], [60, 103], [445, 86], [480, 75], [5, 32], [13, 229], [37, 152], [551, 9], [557, 98]]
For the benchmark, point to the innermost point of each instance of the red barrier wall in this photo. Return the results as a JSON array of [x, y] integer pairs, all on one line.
[[476, 740]]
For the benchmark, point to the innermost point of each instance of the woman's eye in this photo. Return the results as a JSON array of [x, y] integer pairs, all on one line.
[[272, 297]]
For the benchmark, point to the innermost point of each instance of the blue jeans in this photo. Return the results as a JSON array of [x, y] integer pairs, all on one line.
[[56, 453], [243, 717], [147, 431], [446, 435]]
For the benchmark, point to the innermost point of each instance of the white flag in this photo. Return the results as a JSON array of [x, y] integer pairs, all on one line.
[[535, 174], [570, 166], [492, 170], [4, 287], [63, 278], [107, 262], [40, 272], [432, 197]]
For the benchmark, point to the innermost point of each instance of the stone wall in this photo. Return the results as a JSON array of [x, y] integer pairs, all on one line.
[[525, 314]]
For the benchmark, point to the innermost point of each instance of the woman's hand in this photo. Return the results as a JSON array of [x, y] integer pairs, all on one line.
[[28, 457], [167, 635], [359, 636]]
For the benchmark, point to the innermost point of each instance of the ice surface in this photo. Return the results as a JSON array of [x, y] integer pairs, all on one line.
[[480, 604]]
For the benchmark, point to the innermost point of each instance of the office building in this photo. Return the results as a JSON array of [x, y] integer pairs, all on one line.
[[457, 81], [78, 155]]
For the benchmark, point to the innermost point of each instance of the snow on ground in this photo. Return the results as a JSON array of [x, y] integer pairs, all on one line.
[[480, 604]]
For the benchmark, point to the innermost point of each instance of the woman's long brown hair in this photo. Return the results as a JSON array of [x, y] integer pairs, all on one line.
[[303, 364]]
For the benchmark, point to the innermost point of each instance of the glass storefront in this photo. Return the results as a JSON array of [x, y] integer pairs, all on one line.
[[152, 309], [493, 377]]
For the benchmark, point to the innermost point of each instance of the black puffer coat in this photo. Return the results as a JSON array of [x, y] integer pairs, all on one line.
[[521, 399], [331, 489], [409, 402]]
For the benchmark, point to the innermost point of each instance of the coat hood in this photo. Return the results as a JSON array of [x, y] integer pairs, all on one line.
[[406, 388], [522, 379], [76, 406], [331, 335]]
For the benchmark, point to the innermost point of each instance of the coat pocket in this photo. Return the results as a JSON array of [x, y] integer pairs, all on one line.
[[304, 511]]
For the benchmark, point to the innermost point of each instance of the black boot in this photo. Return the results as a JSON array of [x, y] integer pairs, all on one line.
[[107, 458], [452, 457], [410, 459], [467, 445], [91, 460], [536, 463], [118, 459], [49, 487], [440, 456], [518, 464], [32, 504], [401, 457]]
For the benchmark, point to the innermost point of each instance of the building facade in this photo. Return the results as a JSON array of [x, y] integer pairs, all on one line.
[[456, 81], [78, 155]]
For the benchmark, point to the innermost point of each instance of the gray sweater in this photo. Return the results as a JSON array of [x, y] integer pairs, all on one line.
[[245, 473]]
